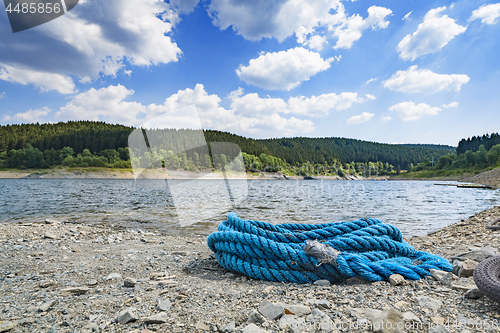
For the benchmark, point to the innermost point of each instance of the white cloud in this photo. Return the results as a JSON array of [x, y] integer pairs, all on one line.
[[414, 80], [386, 118], [43, 80], [2, 95], [408, 111], [372, 80], [407, 16], [352, 27], [371, 97], [184, 6], [96, 38], [280, 19], [431, 36], [488, 14], [362, 118], [321, 106], [449, 106], [312, 22], [283, 70], [249, 114], [29, 117], [105, 104]]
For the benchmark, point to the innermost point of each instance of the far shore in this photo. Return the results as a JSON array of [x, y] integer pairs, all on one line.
[[491, 178], [104, 173]]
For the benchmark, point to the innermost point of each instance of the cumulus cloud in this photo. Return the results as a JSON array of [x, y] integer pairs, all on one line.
[[431, 36], [2, 95], [362, 118], [312, 22], [386, 118], [43, 80], [321, 106], [407, 16], [28, 117], [409, 111], [449, 106], [488, 14], [248, 115], [96, 38], [283, 70], [415, 80], [105, 104], [280, 19], [351, 29]]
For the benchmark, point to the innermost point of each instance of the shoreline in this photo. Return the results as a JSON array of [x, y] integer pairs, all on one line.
[[74, 277], [104, 173]]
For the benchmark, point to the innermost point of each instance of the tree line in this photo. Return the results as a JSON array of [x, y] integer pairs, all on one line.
[[89, 143], [473, 144]]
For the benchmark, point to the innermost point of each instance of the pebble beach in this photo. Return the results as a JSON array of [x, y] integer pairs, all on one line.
[[58, 276]]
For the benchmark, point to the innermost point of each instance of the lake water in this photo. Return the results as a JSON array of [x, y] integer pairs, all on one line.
[[416, 207]]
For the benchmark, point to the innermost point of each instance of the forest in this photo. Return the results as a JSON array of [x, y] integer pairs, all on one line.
[[473, 155], [98, 144], [473, 144]]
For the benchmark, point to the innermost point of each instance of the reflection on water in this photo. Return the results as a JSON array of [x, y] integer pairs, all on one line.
[[416, 207]]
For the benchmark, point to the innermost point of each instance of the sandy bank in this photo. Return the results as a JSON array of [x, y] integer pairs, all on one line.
[[80, 278], [104, 173], [491, 178]]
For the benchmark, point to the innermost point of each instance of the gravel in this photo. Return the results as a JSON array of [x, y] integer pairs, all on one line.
[[106, 279]]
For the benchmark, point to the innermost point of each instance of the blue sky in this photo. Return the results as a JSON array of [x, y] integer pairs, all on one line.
[[385, 71]]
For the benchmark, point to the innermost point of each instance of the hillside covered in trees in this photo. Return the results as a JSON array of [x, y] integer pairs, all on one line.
[[473, 155], [473, 144], [97, 144]]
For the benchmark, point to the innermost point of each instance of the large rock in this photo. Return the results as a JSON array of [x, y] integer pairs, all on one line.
[[474, 294], [361, 313], [298, 310], [388, 321], [271, 310], [321, 304], [164, 304], [129, 282], [322, 321], [478, 255], [467, 269], [113, 276], [252, 328], [437, 274], [74, 291], [429, 303], [47, 305], [229, 328], [126, 316], [463, 285], [5, 327], [396, 279], [289, 321], [322, 283], [159, 318], [255, 318]]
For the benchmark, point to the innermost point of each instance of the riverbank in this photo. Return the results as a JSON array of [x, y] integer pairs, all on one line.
[[67, 277], [491, 178], [106, 173]]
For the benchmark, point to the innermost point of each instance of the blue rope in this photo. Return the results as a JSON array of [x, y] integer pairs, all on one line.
[[367, 248]]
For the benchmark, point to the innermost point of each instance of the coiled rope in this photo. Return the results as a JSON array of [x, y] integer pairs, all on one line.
[[365, 248]]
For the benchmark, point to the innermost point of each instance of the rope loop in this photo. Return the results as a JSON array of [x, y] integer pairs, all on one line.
[[304, 253]]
